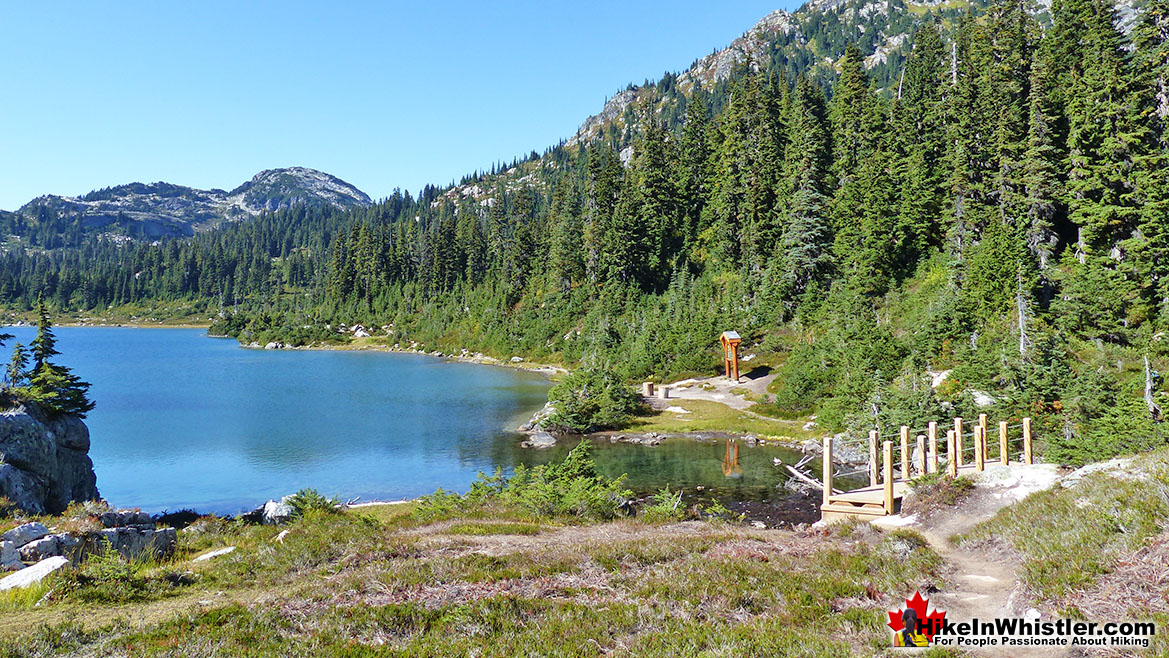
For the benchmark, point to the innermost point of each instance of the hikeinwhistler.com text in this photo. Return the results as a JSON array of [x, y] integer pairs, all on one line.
[[1020, 632]]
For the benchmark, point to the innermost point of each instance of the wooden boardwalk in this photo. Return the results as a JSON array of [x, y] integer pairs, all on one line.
[[885, 492]]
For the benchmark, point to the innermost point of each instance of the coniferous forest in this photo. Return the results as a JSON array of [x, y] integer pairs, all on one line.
[[998, 210]]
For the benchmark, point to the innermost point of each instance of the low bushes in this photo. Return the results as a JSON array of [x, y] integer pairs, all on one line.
[[570, 488]]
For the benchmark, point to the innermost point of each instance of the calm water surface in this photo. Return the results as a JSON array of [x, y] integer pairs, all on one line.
[[184, 420]]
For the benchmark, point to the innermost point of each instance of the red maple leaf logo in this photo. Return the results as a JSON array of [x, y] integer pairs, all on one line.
[[931, 622]]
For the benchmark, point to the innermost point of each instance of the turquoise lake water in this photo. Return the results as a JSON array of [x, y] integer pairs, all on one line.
[[188, 421]]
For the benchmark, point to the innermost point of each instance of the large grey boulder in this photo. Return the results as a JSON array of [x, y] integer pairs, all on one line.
[[23, 534], [276, 512], [539, 440], [45, 547], [34, 574], [9, 557], [133, 541], [46, 464]]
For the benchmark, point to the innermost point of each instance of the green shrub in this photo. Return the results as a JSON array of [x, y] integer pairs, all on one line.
[[667, 506], [936, 490], [716, 511], [107, 577], [570, 488], [311, 500], [589, 400]]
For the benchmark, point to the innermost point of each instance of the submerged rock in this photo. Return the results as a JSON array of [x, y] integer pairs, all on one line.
[[539, 440], [46, 461]]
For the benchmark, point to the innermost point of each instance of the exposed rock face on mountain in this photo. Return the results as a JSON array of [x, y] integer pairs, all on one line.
[[153, 210], [809, 40], [45, 461]]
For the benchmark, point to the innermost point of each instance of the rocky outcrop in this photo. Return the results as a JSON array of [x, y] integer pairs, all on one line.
[[44, 461], [130, 533]]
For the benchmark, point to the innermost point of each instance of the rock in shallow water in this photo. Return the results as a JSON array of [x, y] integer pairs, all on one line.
[[539, 440]]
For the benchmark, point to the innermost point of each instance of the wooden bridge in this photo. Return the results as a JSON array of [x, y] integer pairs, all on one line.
[[883, 495]]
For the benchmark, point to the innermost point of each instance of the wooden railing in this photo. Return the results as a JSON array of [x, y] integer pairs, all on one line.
[[925, 458]]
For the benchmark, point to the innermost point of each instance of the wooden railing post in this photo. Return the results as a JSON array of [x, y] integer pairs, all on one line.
[[1004, 451], [904, 452], [979, 448], [933, 435], [827, 463], [1027, 455], [919, 456], [951, 464], [874, 466], [958, 441], [984, 423], [888, 450]]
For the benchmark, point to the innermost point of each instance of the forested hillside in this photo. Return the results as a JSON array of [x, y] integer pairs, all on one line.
[[999, 213]]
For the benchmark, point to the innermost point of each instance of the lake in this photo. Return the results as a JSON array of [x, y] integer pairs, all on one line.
[[188, 421]]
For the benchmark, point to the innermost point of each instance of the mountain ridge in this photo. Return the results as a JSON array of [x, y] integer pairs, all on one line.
[[162, 209]]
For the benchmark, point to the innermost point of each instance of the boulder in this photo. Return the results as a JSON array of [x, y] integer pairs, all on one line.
[[46, 461], [125, 517], [23, 534], [539, 440], [68, 546], [133, 541], [9, 557], [34, 574], [276, 512], [45, 547]]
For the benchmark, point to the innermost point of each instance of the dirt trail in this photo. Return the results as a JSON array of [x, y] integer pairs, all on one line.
[[983, 583]]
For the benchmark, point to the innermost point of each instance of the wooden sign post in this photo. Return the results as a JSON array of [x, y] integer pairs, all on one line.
[[730, 341]]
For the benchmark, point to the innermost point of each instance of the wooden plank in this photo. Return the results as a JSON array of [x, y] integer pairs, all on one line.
[[919, 455], [979, 457], [904, 452], [951, 463], [933, 458], [827, 463], [888, 450], [1004, 451], [874, 468], [958, 441], [1027, 456]]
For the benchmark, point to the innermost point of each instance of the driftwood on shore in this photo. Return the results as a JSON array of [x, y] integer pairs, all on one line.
[[804, 477]]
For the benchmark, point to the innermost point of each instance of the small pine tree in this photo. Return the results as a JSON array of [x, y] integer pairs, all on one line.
[[53, 387], [17, 373]]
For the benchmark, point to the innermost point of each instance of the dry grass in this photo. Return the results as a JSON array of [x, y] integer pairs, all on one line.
[[383, 584]]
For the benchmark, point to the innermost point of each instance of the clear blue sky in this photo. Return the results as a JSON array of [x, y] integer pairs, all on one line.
[[383, 95]]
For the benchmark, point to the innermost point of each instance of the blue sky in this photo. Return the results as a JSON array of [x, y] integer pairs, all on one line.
[[383, 95]]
